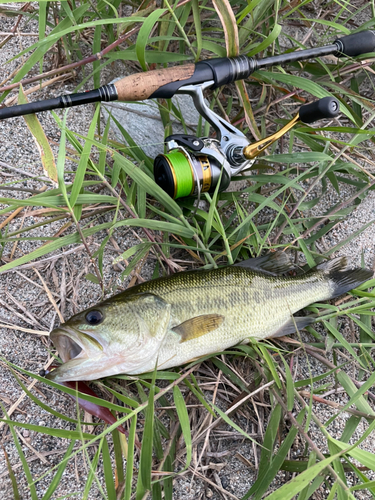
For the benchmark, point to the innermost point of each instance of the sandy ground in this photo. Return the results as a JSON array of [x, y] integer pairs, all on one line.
[[229, 460]]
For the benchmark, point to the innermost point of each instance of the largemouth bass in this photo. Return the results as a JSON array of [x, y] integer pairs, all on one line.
[[170, 321]]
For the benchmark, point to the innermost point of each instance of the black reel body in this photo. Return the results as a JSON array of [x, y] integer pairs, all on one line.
[[191, 166]]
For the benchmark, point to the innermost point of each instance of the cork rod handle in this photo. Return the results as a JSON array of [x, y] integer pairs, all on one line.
[[141, 86]]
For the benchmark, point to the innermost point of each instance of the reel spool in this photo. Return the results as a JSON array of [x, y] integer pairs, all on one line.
[[192, 166]]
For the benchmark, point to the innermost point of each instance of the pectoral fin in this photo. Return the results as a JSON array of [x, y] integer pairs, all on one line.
[[292, 325], [198, 326]]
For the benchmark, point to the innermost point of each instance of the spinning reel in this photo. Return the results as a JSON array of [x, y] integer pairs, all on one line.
[[194, 165]]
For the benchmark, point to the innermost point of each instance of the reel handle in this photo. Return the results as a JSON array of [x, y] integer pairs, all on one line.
[[328, 107]]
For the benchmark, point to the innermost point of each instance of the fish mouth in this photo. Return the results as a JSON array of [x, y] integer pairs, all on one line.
[[71, 343], [66, 346], [76, 349]]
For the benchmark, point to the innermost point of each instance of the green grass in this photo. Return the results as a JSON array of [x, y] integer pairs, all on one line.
[[161, 410]]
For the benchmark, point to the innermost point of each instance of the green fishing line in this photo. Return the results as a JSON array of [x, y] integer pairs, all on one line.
[[183, 173]]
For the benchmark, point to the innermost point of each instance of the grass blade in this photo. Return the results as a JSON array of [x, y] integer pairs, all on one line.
[[298, 483], [11, 475], [41, 141], [263, 482], [107, 466], [60, 471], [82, 165], [184, 422], [144, 35], [21, 454], [145, 461], [130, 459]]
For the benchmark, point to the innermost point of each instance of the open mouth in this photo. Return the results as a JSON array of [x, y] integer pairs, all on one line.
[[80, 353], [67, 347], [71, 344]]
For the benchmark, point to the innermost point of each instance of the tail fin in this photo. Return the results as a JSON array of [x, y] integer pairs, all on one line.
[[341, 278]]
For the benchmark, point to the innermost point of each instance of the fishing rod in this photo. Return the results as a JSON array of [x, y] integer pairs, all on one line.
[[195, 165]]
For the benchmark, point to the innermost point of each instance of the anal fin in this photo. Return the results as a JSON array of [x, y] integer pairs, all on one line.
[[198, 326], [292, 325]]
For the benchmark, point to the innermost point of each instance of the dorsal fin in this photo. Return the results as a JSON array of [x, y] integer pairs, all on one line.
[[338, 264], [198, 326], [273, 263]]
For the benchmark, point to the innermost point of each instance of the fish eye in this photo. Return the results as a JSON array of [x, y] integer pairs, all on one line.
[[94, 317]]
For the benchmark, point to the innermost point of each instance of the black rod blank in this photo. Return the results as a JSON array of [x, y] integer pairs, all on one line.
[[299, 55], [105, 93]]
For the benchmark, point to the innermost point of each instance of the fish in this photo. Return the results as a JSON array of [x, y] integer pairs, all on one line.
[[170, 321]]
